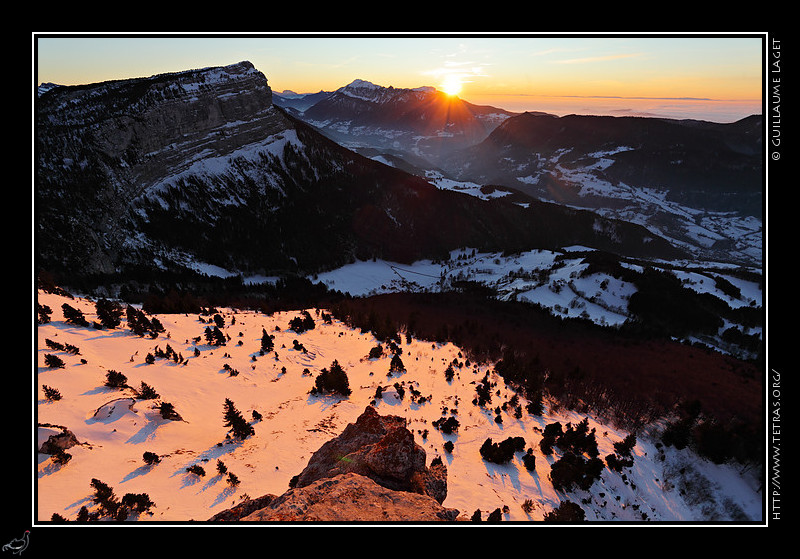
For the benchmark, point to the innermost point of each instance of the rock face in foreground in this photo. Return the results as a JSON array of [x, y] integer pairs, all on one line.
[[351, 497], [372, 472]]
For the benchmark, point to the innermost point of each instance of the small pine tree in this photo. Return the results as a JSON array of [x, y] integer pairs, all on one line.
[[53, 361], [396, 364], [115, 379], [167, 411], [239, 427], [52, 394], [43, 313], [267, 341], [333, 380], [74, 316], [109, 313], [146, 392]]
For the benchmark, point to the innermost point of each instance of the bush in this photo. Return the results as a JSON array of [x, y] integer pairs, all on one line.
[[196, 469], [53, 361], [146, 392], [302, 323], [115, 379], [267, 341], [617, 463], [150, 458], [572, 470], [447, 426], [567, 511], [167, 411], [501, 452], [625, 446], [529, 460], [74, 316], [137, 502], [332, 381]]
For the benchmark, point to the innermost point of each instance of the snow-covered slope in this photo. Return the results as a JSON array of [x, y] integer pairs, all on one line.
[[115, 430], [560, 281]]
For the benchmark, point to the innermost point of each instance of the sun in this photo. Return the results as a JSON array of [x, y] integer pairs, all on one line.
[[451, 85]]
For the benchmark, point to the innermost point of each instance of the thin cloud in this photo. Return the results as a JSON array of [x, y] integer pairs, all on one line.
[[595, 59]]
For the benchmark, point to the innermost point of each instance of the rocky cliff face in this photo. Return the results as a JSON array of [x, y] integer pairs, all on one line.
[[103, 150], [372, 472]]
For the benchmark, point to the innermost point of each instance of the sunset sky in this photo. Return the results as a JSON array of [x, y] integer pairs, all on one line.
[[712, 77]]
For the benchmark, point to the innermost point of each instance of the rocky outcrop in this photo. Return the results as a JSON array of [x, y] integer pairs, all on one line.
[[373, 472], [382, 449], [351, 497], [56, 442]]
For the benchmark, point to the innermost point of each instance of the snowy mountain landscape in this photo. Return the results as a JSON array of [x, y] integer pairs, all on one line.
[[115, 426], [206, 249]]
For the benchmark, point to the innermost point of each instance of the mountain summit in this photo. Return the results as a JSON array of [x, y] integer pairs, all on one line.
[[420, 122]]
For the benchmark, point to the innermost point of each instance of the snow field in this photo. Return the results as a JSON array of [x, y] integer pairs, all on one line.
[[116, 431]]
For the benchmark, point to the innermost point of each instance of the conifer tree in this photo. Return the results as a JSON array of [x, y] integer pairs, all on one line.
[[267, 343], [238, 425], [109, 313], [74, 316]]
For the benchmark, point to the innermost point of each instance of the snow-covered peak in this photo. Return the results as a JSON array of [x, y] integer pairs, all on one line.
[[360, 84]]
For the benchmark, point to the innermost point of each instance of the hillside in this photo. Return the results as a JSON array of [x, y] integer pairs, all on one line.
[[114, 429], [136, 178]]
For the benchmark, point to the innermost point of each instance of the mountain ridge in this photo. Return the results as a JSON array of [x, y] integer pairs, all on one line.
[[202, 166]]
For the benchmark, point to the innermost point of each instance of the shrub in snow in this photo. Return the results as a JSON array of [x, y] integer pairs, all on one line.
[[267, 341], [332, 381], [43, 313], [376, 352], [567, 511], [146, 392], [529, 460], [447, 426], [109, 313], [625, 446], [74, 316], [51, 394], [396, 365], [150, 458], [53, 361], [302, 323], [572, 470], [196, 469], [137, 502], [115, 379], [501, 452], [167, 411]]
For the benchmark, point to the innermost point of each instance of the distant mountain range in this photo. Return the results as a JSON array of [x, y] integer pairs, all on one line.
[[419, 124], [698, 183]]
